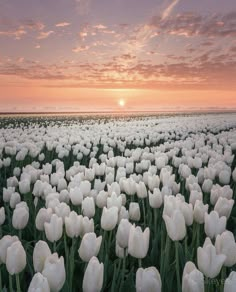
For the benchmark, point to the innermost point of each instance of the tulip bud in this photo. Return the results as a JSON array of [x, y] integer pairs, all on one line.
[[214, 224], [225, 244], [20, 216], [114, 200], [53, 229], [123, 214], [88, 207], [62, 210], [47, 168], [224, 177], [175, 225], [134, 211], [90, 246], [199, 212], [5, 242], [230, 283], [148, 280], [16, 258], [76, 196], [155, 198], [24, 186], [224, 207], [73, 224], [153, 182], [7, 193], [101, 199], [187, 211], [109, 218], [62, 184], [141, 190], [209, 263], [193, 279], [87, 226], [15, 199], [39, 283], [2, 215], [93, 276], [40, 253], [54, 271], [85, 187], [122, 235], [138, 242], [207, 185], [44, 215], [194, 196]]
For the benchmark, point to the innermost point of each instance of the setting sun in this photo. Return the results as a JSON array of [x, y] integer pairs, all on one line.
[[121, 103]]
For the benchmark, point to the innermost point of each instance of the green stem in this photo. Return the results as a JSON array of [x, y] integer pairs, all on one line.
[[177, 265], [18, 283], [165, 258], [9, 218], [144, 213], [103, 245], [20, 234], [72, 263], [123, 269], [186, 247], [113, 284], [198, 236], [223, 277], [155, 220], [0, 278], [207, 284], [10, 282], [140, 263], [54, 246]]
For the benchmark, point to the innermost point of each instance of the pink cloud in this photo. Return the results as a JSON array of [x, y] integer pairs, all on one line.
[[62, 24], [44, 34]]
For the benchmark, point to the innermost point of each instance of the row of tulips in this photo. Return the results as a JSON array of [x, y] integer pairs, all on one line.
[[129, 216]]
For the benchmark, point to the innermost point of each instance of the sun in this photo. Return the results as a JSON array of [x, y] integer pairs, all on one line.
[[121, 103]]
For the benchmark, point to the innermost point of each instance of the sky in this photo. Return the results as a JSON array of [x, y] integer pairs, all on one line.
[[105, 55]]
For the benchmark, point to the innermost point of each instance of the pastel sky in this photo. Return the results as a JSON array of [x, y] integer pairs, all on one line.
[[82, 55]]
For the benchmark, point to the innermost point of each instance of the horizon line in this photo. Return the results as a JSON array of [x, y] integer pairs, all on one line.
[[193, 110]]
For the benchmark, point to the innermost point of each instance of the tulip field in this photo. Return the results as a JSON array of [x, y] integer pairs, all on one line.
[[126, 203]]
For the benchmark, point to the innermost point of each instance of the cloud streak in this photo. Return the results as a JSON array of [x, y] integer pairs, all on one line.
[[169, 9], [62, 24]]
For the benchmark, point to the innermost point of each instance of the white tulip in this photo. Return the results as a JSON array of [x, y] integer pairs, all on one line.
[[40, 253], [214, 224], [109, 218], [53, 229], [93, 276], [54, 271], [90, 246], [16, 258], [225, 244], [148, 280], [209, 262], [39, 283]]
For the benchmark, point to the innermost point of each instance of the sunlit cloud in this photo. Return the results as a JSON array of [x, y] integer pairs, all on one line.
[[80, 49], [44, 34], [17, 34], [62, 24], [169, 9]]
